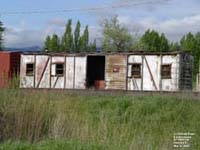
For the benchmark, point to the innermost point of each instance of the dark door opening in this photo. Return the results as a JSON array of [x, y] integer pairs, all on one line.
[[95, 72]]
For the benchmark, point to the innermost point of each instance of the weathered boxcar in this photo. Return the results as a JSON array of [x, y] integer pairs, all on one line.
[[9, 66], [136, 71]]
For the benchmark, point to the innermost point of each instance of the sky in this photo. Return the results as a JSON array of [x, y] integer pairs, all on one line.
[[26, 27]]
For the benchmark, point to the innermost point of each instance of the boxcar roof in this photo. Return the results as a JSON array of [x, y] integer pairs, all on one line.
[[8, 52], [104, 53]]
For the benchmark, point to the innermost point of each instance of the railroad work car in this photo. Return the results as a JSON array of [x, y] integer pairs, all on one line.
[[133, 71], [9, 67]]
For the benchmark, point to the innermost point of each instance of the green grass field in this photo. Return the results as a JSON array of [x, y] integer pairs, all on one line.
[[56, 120]]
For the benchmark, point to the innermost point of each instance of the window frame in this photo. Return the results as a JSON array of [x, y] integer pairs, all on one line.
[[137, 76], [56, 69], [30, 69], [169, 72]]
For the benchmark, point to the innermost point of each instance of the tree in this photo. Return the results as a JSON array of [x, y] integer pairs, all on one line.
[[93, 46], [84, 40], [80, 42], [55, 43], [47, 43], [145, 41], [1, 35], [115, 36], [188, 43], [67, 39], [164, 44], [174, 46], [77, 36], [150, 41]]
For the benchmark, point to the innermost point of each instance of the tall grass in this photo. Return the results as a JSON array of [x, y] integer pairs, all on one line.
[[124, 122], [14, 81]]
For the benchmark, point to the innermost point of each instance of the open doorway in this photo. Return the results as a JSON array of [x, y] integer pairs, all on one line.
[[95, 71]]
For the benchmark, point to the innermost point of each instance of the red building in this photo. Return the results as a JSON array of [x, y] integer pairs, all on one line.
[[9, 66]]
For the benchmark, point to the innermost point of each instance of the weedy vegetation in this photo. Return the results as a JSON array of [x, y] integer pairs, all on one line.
[[45, 120]]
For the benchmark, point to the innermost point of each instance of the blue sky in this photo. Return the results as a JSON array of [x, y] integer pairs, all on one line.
[[173, 17]]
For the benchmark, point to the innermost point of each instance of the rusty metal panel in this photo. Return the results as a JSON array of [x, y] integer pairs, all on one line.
[[26, 81], [15, 63], [42, 71], [4, 69], [9, 67], [69, 73], [115, 72], [80, 73], [57, 82]]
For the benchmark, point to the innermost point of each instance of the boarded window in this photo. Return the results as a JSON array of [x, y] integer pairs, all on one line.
[[30, 69], [166, 71], [136, 71], [59, 69]]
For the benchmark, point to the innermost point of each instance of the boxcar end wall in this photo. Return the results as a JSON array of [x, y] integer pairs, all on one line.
[[9, 67]]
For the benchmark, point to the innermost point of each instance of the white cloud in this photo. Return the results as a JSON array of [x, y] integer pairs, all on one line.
[[59, 22], [24, 36], [173, 28], [173, 17], [19, 37]]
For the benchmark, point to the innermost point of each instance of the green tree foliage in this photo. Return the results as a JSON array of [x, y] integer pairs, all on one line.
[[55, 43], [67, 39], [115, 36], [174, 46], [1, 35], [164, 44], [84, 40], [69, 42], [47, 43], [52, 43], [77, 36], [93, 46], [197, 51], [188, 43], [152, 41]]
